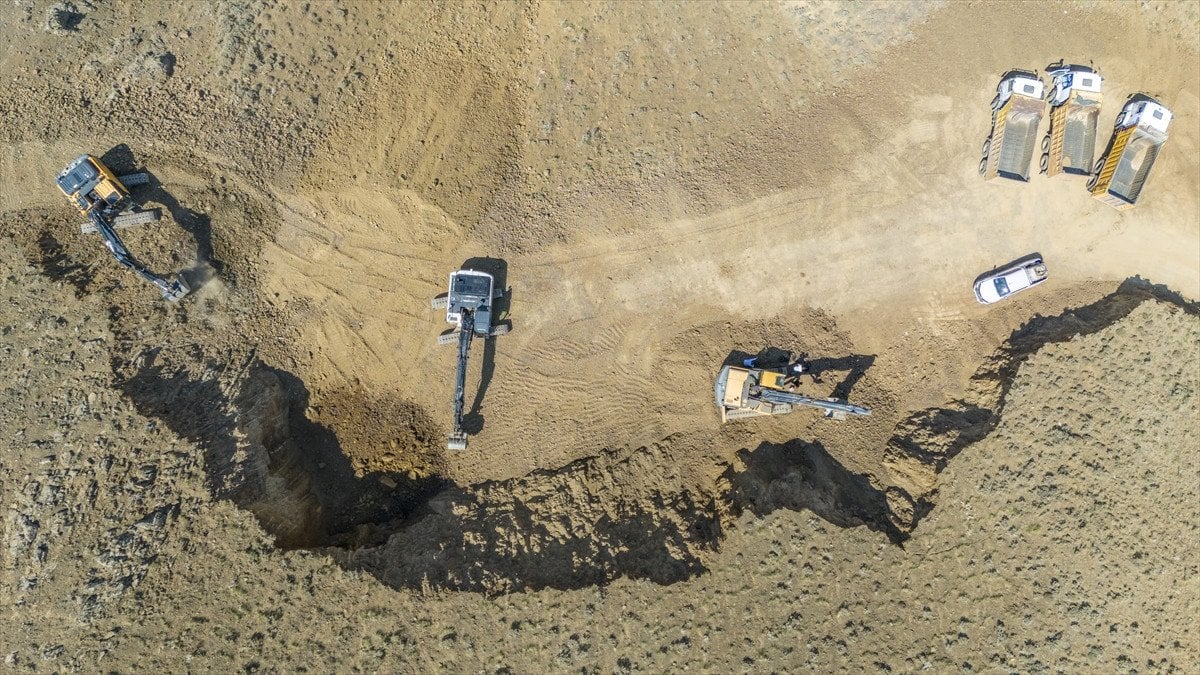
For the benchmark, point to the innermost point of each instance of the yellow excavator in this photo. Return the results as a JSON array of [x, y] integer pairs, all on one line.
[[755, 392], [104, 199]]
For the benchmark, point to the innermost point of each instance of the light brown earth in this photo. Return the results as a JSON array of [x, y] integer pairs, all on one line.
[[255, 478]]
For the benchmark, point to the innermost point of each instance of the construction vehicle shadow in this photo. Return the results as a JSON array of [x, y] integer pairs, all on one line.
[[855, 366], [803, 475], [58, 264], [498, 268], [924, 443], [206, 265], [563, 528]]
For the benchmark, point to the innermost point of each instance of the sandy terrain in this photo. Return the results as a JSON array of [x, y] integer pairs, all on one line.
[[256, 477]]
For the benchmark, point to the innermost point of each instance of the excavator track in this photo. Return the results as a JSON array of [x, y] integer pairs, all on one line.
[[134, 179], [125, 220]]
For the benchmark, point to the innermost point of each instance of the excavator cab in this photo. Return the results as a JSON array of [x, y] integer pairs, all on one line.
[[89, 185], [471, 291]]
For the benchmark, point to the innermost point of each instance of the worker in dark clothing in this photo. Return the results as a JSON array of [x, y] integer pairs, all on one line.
[[791, 374]]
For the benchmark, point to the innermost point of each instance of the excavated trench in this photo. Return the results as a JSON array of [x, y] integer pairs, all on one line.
[[627, 512], [623, 513]]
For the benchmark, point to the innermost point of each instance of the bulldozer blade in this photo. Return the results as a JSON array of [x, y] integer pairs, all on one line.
[[125, 220], [134, 179], [448, 337], [440, 302]]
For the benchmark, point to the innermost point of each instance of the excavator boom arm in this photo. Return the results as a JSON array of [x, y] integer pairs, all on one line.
[[170, 291], [466, 332], [776, 396]]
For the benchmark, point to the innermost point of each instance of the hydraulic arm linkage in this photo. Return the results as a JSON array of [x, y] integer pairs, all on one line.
[[776, 396], [458, 437], [170, 290]]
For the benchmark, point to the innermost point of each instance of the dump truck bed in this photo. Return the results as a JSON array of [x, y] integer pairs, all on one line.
[[1073, 134], [1135, 164], [1016, 134], [1130, 159]]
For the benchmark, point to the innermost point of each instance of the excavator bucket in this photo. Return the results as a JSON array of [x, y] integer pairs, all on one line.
[[456, 441]]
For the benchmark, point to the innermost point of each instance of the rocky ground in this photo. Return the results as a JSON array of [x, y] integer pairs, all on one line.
[[255, 478]]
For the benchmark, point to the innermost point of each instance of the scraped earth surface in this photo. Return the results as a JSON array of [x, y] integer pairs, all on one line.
[[255, 478]]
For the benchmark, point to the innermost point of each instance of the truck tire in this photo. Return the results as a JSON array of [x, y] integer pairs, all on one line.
[[983, 166], [1092, 180], [1046, 143], [1045, 163], [987, 145]]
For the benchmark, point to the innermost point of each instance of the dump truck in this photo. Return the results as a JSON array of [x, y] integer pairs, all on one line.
[[1138, 137], [755, 392], [1016, 113], [1074, 98]]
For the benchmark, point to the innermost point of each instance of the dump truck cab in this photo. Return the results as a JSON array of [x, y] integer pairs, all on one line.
[[1070, 79], [1027, 85], [1145, 113], [91, 186]]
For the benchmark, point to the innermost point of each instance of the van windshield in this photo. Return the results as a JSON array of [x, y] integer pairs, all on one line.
[[1001, 287]]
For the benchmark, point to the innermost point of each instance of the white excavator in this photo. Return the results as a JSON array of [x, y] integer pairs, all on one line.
[[468, 305]]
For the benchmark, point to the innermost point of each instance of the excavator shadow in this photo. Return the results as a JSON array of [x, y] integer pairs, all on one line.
[[854, 365], [799, 475], [473, 419], [121, 160]]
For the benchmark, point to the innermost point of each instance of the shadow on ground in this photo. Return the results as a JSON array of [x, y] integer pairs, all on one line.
[[205, 266], [263, 453], [800, 475], [624, 513]]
